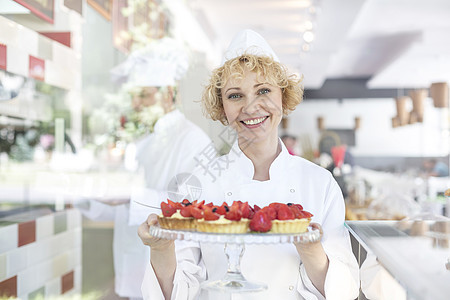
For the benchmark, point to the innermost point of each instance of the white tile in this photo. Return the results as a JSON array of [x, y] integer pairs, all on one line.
[[28, 281], [73, 294], [73, 219], [69, 240], [27, 40], [36, 276], [45, 271], [77, 272], [17, 260], [64, 56], [39, 252], [3, 267], [10, 31], [60, 265], [78, 237], [17, 61], [44, 227], [22, 297], [72, 259], [78, 256], [60, 243], [53, 288], [8, 238]]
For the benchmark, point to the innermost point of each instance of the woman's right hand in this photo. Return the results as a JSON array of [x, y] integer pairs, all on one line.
[[162, 256], [154, 242]]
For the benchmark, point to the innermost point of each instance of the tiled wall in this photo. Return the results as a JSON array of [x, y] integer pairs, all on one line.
[[41, 257]]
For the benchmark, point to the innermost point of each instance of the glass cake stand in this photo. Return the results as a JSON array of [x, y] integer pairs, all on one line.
[[233, 281]]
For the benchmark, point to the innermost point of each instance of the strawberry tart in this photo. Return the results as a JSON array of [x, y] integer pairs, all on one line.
[[180, 215], [239, 217], [226, 219], [281, 218]]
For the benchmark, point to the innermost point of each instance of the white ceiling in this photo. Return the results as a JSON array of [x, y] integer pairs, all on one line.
[[395, 43]]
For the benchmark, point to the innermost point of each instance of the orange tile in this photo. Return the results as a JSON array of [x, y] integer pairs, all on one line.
[[27, 233], [67, 282], [8, 288]]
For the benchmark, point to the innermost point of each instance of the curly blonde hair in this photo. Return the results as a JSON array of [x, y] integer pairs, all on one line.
[[265, 67]]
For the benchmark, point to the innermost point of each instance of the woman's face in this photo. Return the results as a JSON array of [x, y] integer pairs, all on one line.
[[253, 107]]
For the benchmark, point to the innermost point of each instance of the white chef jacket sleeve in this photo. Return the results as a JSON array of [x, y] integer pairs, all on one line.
[[342, 279], [143, 202], [95, 210], [190, 272]]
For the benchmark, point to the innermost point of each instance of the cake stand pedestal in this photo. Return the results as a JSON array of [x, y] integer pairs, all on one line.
[[234, 281]]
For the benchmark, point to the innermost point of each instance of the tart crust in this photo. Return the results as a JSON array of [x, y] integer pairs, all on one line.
[[177, 223], [290, 226], [223, 226]]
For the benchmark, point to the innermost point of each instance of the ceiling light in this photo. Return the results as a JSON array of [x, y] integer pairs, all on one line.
[[308, 25], [306, 47], [308, 36]]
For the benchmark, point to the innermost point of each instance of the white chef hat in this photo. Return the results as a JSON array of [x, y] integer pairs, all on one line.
[[161, 63], [249, 42]]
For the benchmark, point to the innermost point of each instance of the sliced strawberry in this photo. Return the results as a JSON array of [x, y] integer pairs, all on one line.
[[252, 213], [198, 204], [196, 212], [270, 211], [186, 211], [219, 210], [295, 204], [260, 222], [305, 214], [285, 213], [246, 210], [256, 208], [237, 203], [186, 202], [275, 205], [176, 205], [210, 204], [226, 206], [234, 214], [167, 209], [296, 210], [209, 215]]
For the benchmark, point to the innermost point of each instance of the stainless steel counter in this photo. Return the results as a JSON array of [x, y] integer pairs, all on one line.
[[418, 263]]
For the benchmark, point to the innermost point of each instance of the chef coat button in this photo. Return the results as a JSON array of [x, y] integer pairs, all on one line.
[[229, 193], [292, 191], [291, 287]]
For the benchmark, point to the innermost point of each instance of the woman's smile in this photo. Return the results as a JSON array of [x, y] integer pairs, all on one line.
[[254, 122]]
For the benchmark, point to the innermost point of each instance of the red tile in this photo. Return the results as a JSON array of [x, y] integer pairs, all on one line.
[[8, 288], [67, 282], [61, 37], [27, 233]]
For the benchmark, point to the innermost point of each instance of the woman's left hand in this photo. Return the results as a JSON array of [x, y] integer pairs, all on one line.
[[315, 260], [310, 247]]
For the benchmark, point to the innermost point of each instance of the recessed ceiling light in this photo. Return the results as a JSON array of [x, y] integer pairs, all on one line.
[[308, 36]]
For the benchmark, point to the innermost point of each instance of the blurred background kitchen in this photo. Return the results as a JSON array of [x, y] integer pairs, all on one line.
[[375, 114]]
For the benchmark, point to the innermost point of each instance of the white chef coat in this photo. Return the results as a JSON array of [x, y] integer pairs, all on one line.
[[292, 179], [171, 149]]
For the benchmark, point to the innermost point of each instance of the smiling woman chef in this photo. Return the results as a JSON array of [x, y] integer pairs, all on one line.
[[251, 92]]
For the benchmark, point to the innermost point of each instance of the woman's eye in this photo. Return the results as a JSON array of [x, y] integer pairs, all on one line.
[[234, 96], [263, 91]]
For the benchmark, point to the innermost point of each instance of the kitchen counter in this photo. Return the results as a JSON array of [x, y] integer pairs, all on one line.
[[418, 260]]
